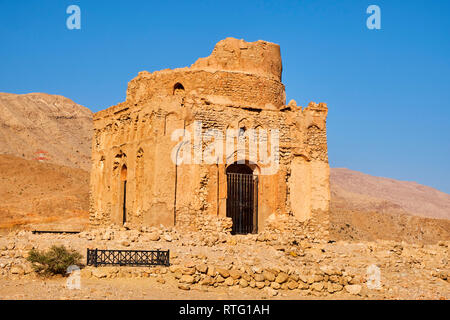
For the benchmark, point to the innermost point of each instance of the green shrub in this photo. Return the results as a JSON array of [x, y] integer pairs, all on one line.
[[55, 261]]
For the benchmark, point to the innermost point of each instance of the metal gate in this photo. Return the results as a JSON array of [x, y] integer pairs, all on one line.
[[242, 202]]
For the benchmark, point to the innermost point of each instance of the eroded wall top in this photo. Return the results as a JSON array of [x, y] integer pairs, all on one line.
[[260, 57], [237, 73]]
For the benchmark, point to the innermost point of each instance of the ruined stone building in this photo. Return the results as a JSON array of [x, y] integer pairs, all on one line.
[[188, 145]]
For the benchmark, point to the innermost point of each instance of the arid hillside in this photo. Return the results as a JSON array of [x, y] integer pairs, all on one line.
[[56, 190], [35, 194], [41, 122], [353, 190], [364, 207]]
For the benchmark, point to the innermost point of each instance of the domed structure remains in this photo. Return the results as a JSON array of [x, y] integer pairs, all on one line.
[[212, 142]]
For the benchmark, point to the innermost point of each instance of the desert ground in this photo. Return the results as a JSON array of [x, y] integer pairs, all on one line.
[[220, 266]]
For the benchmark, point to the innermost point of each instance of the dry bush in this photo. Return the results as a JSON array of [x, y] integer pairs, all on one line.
[[55, 261]]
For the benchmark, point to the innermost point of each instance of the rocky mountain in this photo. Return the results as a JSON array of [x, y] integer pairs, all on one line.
[[357, 191], [364, 207], [45, 150], [39, 125]]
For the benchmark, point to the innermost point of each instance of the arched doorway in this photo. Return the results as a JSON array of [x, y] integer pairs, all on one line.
[[242, 198], [123, 188]]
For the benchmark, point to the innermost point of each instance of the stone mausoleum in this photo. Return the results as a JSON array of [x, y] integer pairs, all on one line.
[[212, 143]]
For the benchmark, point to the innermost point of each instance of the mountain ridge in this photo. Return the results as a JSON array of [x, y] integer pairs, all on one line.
[[54, 124], [354, 190]]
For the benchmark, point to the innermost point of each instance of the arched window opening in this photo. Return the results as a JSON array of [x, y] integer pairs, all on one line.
[[242, 131], [178, 89]]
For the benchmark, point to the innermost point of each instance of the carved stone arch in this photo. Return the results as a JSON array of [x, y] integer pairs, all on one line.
[[119, 159], [304, 156], [172, 114], [314, 126], [236, 157], [251, 164], [172, 121], [244, 124], [148, 125]]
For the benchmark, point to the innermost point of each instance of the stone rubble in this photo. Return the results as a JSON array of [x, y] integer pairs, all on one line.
[[269, 262]]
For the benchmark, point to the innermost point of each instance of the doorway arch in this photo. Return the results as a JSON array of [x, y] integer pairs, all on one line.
[[242, 198]]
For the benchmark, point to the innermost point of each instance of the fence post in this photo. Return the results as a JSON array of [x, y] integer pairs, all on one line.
[[168, 257], [95, 261]]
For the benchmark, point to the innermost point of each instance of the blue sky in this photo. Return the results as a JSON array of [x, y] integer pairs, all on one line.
[[387, 90]]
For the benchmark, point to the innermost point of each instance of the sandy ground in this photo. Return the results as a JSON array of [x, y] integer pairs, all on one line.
[[407, 271], [138, 288]]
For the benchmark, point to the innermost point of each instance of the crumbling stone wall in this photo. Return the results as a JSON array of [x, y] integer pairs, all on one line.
[[138, 135]]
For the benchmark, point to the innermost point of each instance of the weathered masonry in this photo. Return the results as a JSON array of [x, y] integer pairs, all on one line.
[[187, 146]]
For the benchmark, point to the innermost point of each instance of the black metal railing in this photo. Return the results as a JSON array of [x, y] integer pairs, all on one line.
[[96, 257], [54, 231]]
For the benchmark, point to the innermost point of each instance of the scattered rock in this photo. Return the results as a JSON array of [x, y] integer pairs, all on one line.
[[229, 281], [223, 272], [202, 268], [17, 270], [292, 285], [317, 286], [269, 276], [275, 285], [243, 283], [234, 274], [281, 278], [207, 281], [184, 286], [185, 278], [354, 289], [272, 292], [153, 236]]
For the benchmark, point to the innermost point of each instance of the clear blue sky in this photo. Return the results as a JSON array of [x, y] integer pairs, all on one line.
[[388, 90]]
